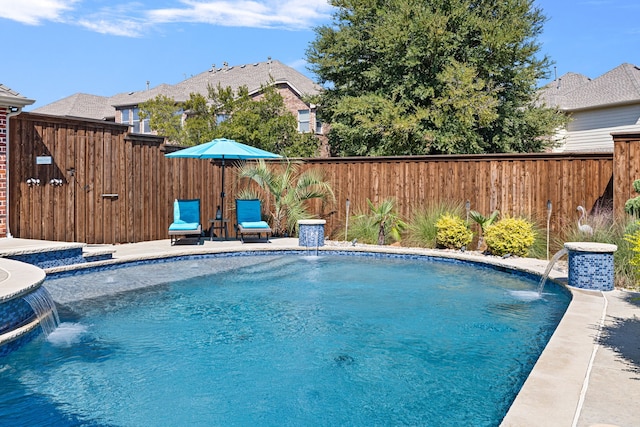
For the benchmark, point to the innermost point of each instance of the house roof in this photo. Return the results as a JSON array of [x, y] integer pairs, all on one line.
[[251, 75], [80, 105], [135, 98], [577, 92], [11, 98]]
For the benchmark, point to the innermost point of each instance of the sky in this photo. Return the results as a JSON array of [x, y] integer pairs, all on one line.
[[56, 48]]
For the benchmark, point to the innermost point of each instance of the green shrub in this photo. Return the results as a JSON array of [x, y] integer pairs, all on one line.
[[510, 236], [421, 227], [627, 258], [453, 232], [632, 206], [361, 227]]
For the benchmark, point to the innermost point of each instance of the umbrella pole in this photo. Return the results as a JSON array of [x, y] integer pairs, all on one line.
[[222, 193]]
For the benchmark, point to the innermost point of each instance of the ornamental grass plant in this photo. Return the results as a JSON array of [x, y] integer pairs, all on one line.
[[421, 227], [361, 228], [612, 230]]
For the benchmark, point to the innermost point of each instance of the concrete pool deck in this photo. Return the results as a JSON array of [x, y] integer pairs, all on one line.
[[588, 375]]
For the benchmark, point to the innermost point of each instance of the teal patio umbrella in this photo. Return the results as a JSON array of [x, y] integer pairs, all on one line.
[[223, 149]]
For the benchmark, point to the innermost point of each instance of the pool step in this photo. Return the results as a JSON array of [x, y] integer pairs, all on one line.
[[46, 254], [97, 253]]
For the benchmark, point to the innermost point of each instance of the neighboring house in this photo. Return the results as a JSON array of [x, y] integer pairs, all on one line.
[[598, 107], [123, 108], [80, 105], [11, 104]]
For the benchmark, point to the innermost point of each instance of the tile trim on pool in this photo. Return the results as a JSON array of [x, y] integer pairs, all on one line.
[[67, 271]]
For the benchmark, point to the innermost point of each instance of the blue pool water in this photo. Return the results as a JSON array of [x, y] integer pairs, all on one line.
[[282, 340]]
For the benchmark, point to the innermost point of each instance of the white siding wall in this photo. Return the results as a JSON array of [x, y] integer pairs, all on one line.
[[591, 130]]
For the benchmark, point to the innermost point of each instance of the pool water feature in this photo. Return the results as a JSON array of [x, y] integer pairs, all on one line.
[[283, 340], [44, 309], [545, 276], [25, 310]]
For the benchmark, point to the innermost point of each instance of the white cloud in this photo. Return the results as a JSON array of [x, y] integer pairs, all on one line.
[[33, 12], [126, 28], [246, 13], [134, 18], [116, 20]]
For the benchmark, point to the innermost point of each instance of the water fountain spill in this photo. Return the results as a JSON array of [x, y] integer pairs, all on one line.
[[314, 238], [312, 254], [44, 308], [553, 261], [311, 236], [67, 334]]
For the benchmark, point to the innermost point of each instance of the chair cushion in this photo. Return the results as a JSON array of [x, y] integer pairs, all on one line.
[[176, 211], [254, 224], [189, 210], [248, 210], [184, 226]]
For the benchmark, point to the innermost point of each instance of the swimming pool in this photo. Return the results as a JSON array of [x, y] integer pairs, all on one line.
[[283, 340]]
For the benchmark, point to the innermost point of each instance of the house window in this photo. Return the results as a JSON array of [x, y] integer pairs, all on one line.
[[132, 117], [135, 121], [318, 127], [220, 117], [303, 121]]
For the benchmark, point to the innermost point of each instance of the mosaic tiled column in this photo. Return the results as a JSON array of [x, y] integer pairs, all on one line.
[[311, 232], [591, 265]]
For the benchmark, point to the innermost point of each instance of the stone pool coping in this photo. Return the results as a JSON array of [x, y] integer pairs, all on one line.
[[556, 393], [17, 279]]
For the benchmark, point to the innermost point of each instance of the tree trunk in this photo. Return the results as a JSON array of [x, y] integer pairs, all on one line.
[[381, 235]]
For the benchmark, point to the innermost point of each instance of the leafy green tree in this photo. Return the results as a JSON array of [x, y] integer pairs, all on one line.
[[442, 76], [264, 122], [165, 117], [287, 189], [200, 125]]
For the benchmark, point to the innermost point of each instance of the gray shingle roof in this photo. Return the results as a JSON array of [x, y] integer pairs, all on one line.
[[576, 92], [12, 98], [552, 93], [135, 98], [80, 105], [250, 75]]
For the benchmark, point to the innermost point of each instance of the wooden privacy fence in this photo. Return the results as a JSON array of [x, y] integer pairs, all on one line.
[[515, 184], [118, 187], [626, 159]]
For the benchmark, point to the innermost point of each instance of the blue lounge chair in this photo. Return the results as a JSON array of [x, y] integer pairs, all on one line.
[[250, 220], [186, 219]]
